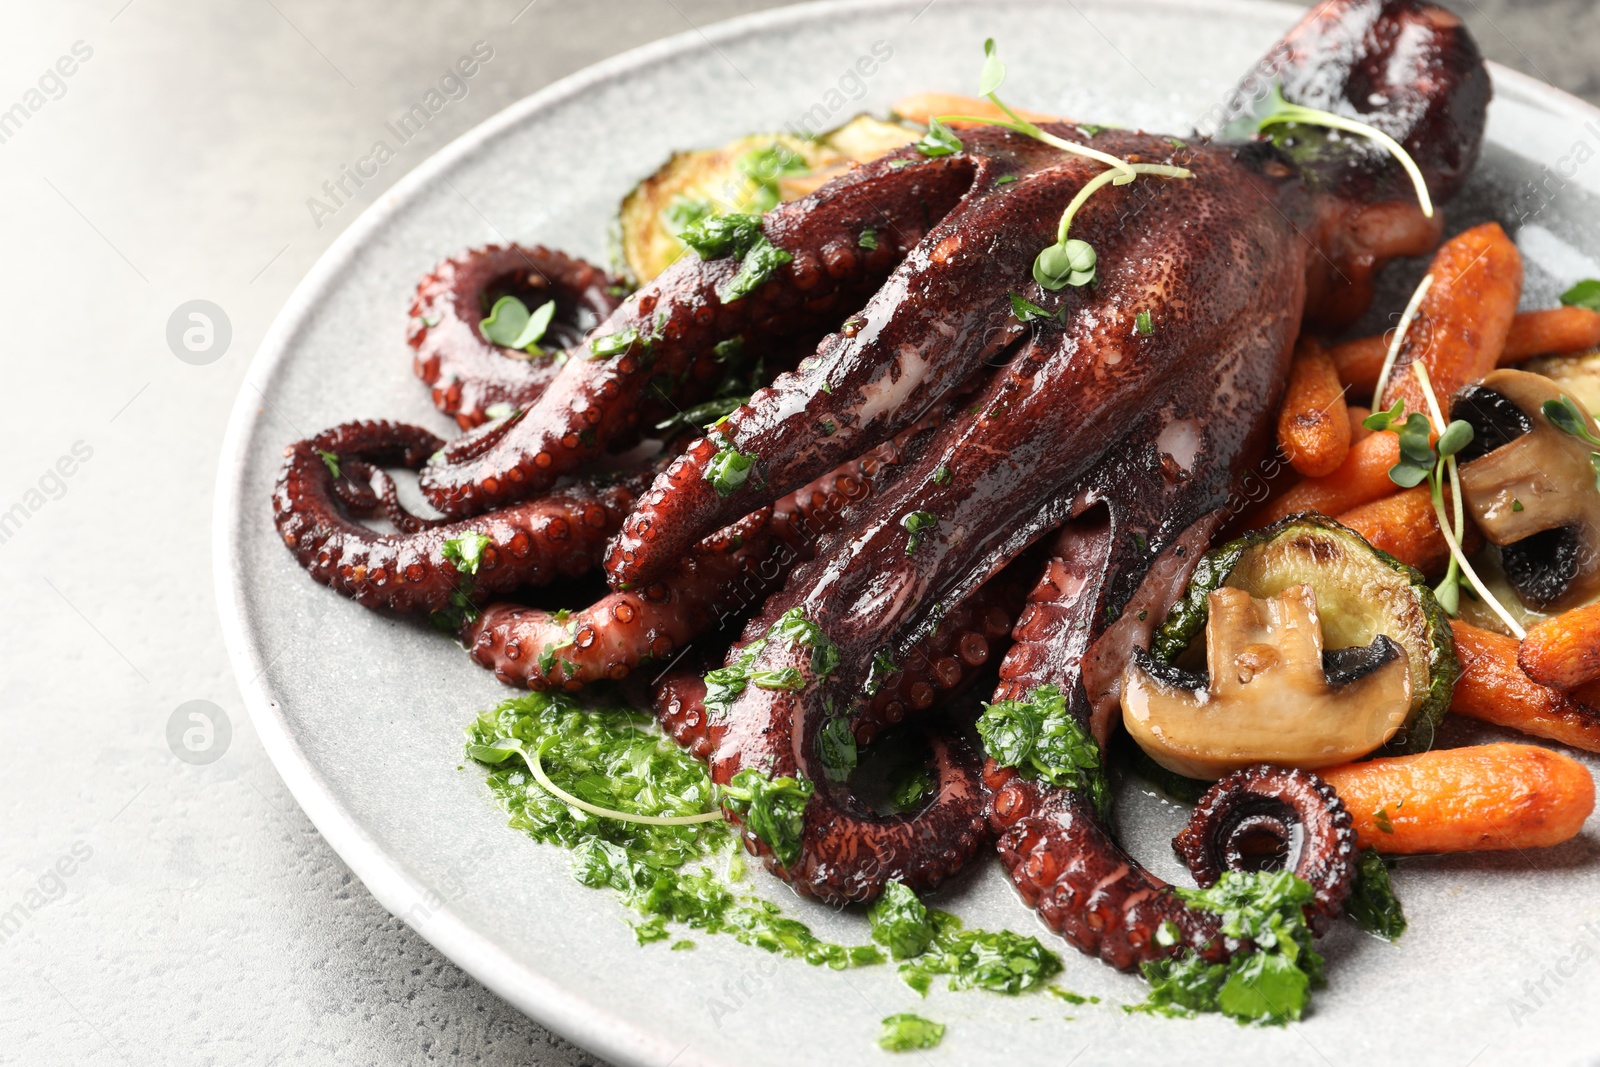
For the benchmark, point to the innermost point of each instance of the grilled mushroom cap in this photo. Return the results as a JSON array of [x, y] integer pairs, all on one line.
[[1533, 492], [1271, 695]]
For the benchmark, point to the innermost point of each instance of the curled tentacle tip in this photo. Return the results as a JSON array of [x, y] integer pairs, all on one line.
[[1266, 817]]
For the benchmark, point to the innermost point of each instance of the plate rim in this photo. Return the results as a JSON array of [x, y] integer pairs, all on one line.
[[541, 997]]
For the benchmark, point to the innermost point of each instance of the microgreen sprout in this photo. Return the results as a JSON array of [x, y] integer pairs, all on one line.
[[1069, 261], [1280, 111], [1025, 310], [503, 748], [1399, 338], [1424, 459], [511, 325], [1568, 418]]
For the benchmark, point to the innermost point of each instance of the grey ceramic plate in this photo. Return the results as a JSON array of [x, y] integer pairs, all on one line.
[[363, 714]]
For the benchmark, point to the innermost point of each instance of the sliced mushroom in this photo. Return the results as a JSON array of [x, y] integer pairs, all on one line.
[[1534, 492], [1271, 695]]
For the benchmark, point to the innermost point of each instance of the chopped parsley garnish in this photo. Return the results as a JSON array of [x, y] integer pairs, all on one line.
[[882, 667], [996, 960], [329, 460], [730, 350], [1025, 310], [465, 552], [1005, 179], [940, 140], [500, 410], [1143, 323], [784, 679], [906, 1032], [1069, 996], [511, 325], [1380, 819], [1516, 505], [615, 344], [836, 748], [900, 922], [765, 166], [908, 790], [1586, 294], [702, 415], [941, 475], [728, 470], [759, 263], [460, 612], [916, 524], [616, 758], [1372, 903], [795, 629], [868, 240], [725, 684], [1271, 984], [723, 235], [772, 808], [1043, 739]]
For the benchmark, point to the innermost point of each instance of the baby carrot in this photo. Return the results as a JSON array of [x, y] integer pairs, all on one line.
[[1357, 415], [1313, 427], [1552, 332], [1493, 688], [1359, 363], [1563, 652], [1483, 798], [1461, 325], [1405, 526], [1362, 478]]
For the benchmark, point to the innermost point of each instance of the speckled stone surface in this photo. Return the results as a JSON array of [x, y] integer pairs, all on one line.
[[154, 910]]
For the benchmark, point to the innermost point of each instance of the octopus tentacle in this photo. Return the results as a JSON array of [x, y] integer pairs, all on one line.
[[469, 373], [595, 402], [719, 580], [561, 534], [1274, 816], [937, 668]]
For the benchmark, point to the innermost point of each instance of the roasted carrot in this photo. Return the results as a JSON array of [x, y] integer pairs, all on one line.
[[1556, 331], [1359, 363], [1313, 427], [1563, 652], [1462, 322], [1405, 526], [1483, 798], [1358, 414], [1362, 477], [1493, 688], [922, 107]]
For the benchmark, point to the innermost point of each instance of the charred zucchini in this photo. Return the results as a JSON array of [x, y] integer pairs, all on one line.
[[747, 176], [1361, 593]]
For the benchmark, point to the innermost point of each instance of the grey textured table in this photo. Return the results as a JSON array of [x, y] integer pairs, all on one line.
[[155, 908]]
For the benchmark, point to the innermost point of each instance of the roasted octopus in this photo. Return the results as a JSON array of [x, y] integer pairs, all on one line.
[[1069, 469]]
